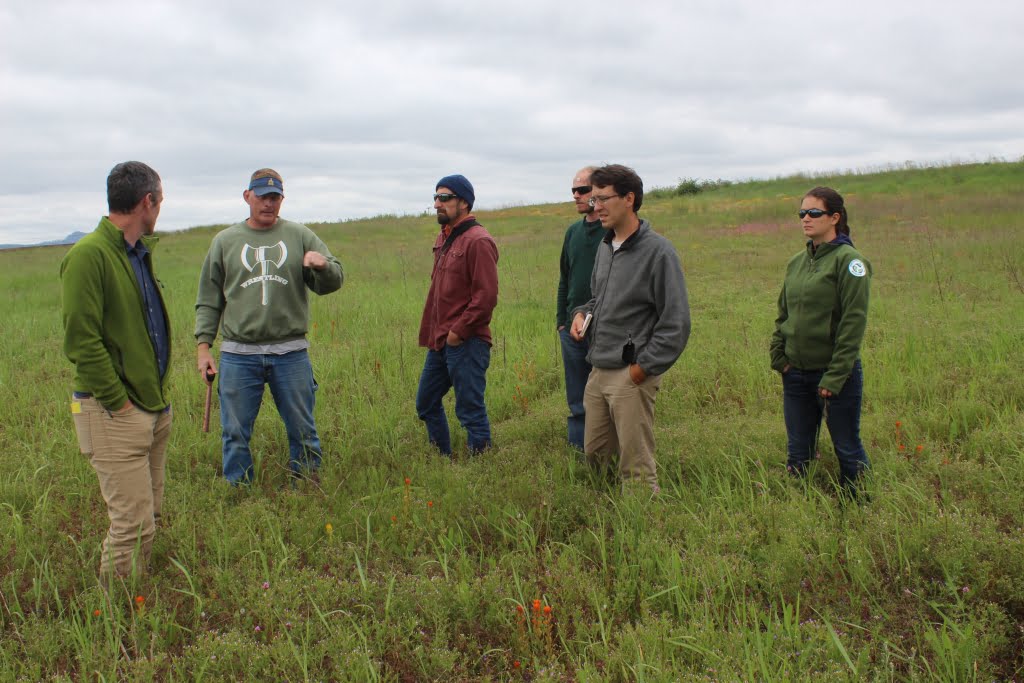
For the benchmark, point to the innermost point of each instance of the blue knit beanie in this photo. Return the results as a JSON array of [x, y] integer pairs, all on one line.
[[459, 185]]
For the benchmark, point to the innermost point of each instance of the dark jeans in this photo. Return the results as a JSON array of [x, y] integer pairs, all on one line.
[[241, 381], [463, 367], [577, 370], [802, 408]]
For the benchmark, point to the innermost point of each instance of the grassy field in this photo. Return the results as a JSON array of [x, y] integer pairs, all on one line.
[[518, 565]]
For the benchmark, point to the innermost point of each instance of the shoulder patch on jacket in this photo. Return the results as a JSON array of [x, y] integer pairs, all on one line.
[[857, 268]]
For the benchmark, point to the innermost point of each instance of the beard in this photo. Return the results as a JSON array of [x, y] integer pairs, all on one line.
[[443, 218]]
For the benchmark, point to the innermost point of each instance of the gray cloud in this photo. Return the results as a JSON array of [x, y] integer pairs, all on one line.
[[363, 107]]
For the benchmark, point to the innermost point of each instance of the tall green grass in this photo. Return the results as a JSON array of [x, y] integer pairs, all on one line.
[[521, 564]]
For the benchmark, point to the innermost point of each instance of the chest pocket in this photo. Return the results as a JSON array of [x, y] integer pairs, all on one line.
[[453, 262]]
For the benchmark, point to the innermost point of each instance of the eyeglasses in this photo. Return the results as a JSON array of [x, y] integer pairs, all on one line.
[[813, 213], [582, 189], [595, 200], [445, 197]]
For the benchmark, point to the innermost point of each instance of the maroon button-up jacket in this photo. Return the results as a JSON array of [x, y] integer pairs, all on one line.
[[463, 286]]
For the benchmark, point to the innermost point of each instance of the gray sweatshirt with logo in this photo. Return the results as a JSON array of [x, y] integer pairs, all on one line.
[[639, 295]]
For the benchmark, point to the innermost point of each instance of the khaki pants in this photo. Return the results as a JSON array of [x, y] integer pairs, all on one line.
[[128, 451], [620, 420]]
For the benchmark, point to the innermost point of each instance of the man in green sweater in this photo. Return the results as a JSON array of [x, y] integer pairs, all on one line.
[[579, 249], [253, 288], [116, 336]]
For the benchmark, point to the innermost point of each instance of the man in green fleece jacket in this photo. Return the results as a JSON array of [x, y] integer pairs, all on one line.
[[116, 336], [638, 326], [253, 287], [579, 248]]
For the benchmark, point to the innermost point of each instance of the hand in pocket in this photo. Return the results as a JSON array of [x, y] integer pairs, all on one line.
[[125, 409]]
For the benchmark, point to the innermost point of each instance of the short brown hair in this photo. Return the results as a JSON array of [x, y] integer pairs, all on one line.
[[265, 173], [623, 179], [128, 184]]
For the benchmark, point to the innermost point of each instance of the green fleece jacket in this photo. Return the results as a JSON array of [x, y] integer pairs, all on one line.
[[253, 285], [105, 334], [823, 312], [579, 249]]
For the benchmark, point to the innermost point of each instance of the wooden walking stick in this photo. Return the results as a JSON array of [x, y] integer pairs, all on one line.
[[210, 376]]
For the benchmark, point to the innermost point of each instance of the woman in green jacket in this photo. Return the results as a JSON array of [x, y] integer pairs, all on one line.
[[823, 311]]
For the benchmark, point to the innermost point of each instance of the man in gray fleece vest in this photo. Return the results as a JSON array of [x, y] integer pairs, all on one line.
[[637, 324]]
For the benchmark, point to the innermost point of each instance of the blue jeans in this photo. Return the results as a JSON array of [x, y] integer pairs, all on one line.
[[577, 370], [463, 367], [802, 408], [290, 377]]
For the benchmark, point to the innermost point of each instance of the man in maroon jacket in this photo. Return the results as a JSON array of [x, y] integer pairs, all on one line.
[[455, 326]]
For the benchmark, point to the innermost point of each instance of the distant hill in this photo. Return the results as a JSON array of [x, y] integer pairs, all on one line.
[[70, 239]]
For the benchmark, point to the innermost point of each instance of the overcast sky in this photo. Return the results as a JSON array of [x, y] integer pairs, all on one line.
[[363, 106]]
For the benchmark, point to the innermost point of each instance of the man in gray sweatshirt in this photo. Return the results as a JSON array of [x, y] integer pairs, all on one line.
[[637, 324]]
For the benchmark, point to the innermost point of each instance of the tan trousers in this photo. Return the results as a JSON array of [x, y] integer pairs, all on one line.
[[620, 420], [128, 452]]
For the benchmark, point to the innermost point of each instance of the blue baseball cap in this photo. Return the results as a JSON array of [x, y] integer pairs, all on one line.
[[266, 181]]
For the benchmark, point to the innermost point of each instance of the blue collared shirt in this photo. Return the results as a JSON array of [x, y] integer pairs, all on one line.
[[152, 305]]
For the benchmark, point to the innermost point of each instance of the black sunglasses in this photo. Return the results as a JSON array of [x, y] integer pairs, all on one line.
[[582, 189], [813, 213], [445, 197]]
